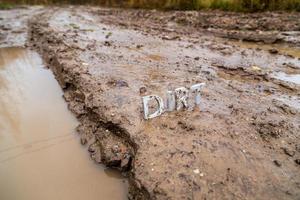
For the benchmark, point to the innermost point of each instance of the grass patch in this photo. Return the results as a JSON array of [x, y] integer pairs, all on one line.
[[6, 6]]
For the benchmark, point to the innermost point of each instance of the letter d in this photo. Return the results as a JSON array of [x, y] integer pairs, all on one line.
[[160, 106]]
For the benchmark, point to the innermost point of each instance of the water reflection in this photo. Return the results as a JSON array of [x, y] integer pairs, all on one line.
[[294, 78]]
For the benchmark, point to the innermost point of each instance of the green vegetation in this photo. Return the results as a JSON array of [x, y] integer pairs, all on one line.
[[5, 6], [228, 5]]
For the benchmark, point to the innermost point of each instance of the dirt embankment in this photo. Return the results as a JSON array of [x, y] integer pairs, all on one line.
[[242, 144]]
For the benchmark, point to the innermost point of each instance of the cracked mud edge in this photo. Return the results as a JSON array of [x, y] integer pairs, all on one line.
[[108, 142]]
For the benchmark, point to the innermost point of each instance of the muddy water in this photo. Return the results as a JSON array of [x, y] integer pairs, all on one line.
[[294, 78], [282, 48], [40, 156]]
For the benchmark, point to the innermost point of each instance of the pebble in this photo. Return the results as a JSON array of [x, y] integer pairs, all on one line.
[[121, 83], [255, 68], [139, 46], [273, 51], [143, 90], [288, 152], [277, 163]]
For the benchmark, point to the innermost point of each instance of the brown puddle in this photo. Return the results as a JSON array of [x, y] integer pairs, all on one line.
[[40, 154], [282, 48], [294, 78]]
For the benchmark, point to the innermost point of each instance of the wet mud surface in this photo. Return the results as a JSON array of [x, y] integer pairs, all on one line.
[[13, 25], [243, 143], [267, 27]]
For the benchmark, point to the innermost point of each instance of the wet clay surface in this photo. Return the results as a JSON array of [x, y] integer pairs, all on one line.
[[40, 157], [244, 141], [13, 25], [267, 27]]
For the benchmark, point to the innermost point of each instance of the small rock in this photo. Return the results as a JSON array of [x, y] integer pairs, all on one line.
[[93, 148], [197, 58], [196, 171], [83, 140], [297, 161], [273, 51], [170, 38], [139, 46], [255, 68], [107, 43], [288, 152], [115, 149], [143, 90], [126, 162], [277, 163], [121, 83]]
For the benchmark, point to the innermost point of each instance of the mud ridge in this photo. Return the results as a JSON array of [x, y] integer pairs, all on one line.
[[108, 142]]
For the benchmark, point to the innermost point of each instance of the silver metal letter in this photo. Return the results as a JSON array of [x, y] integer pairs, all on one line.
[[170, 101], [195, 89], [160, 106], [181, 97]]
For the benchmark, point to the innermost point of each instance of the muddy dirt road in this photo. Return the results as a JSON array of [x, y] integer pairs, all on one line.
[[243, 142]]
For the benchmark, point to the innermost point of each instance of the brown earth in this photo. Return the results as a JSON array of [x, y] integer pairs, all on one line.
[[243, 143], [267, 27]]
